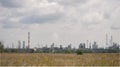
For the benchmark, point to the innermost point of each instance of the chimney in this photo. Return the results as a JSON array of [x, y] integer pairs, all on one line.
[[28, 40], [106, 39]]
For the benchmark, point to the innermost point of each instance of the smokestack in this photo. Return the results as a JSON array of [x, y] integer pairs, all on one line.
[[87, 44], [106, 39], [28, 39], [19, 44], [23, 44], [111, 40]]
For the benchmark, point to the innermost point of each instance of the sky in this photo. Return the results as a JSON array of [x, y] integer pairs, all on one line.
[[60, 21]]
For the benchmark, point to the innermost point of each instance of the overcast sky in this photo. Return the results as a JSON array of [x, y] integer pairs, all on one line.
[[59, 21]]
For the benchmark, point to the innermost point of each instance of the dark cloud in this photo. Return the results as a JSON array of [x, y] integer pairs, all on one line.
[[12, 3], [42, 18]]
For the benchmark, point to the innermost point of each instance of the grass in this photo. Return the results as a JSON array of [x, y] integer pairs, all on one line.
[[47, 59]]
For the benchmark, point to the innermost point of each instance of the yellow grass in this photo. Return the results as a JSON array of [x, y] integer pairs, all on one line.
[[42, 59]]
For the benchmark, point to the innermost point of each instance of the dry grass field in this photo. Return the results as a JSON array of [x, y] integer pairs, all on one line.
[[42, 59]]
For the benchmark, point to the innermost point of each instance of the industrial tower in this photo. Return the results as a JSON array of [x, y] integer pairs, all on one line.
[[109, 41], [28, 40], [106, 39]]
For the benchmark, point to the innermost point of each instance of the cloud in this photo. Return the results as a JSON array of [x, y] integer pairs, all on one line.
[[42, 19], [70, 2], [10, 23], [28, 12], [115, 27], [12, 3], [10, 26]]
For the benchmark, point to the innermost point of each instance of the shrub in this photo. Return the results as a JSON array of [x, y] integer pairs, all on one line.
[[1, 47], [79, 52], [68, 51]]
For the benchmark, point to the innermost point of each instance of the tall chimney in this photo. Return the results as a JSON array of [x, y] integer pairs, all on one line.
[[106, 39], [87, 46], [28, 39], [111, 40]]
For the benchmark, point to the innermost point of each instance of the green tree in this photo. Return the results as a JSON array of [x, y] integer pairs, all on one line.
[[79, 52], [1, 47]]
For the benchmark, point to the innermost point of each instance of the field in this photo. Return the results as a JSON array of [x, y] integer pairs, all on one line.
[[47, 59]]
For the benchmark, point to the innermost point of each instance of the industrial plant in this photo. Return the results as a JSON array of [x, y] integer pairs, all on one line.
[[85, 47]]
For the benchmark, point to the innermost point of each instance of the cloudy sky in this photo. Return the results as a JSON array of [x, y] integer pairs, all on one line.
[[59, 21]]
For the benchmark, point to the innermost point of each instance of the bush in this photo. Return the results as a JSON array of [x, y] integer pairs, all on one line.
[[79, 52], [68, 51], [1, 47]]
